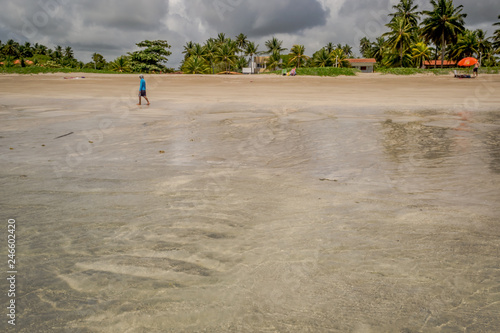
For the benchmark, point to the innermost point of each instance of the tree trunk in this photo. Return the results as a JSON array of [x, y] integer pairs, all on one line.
[[443, 46]]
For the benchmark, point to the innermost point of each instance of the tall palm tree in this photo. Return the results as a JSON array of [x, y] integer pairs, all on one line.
[[420, 52], [68, 52], [338, 56], [252, 50], [484, 45], [400, 36], [347, 50], [443, 23], [322, 58], [297, 55], [274, 45], [11, 48], [226, 53], [242, 41], [187, 49], [210, 48], [466, 46], [407, 10], [330, 47], [379, 48], [221, 38], [496, 36], [365, 47]]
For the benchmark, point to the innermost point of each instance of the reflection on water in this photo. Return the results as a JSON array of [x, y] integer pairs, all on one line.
[[262, 221], [402, 140]]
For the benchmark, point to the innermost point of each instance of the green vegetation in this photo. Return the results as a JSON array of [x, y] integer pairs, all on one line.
[[413, 38], [435, 71]]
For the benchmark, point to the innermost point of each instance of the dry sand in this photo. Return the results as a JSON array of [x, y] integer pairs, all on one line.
[[253, 203]]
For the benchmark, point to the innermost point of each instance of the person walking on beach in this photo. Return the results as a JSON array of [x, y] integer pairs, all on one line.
[[142, 90], [476, 69]]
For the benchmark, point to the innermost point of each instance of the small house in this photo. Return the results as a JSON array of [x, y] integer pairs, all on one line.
[[364, 65]]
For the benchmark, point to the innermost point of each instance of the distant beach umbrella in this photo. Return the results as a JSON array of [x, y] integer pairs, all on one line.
[[467, 62]]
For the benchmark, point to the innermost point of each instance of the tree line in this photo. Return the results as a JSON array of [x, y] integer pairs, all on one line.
[[414, 37]]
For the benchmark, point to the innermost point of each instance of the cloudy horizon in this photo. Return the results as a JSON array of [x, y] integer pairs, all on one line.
[[112, 27]]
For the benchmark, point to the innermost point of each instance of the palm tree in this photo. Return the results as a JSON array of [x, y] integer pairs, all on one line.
[[187, 49], [274, 60], [210, 48], [484, 45], [339, 56], [98, 59], [443, 23], [68, 52], [11, 48], [400, 36], [195, 65], [347, 50], [421, 52], [379, 49], [239, 63], [221, 38], [496, 36], [242, 42], [322, 58], [406, 10], [298, 56], [274, 45], [330, 47], [365, 47], [252, 50], [226, 54], [120, 64]]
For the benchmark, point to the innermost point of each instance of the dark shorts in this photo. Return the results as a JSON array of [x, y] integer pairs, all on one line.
[[142, 93], [475, 70]]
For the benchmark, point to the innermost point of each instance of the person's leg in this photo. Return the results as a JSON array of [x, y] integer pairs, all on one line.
[[147, 100], [139, 100]]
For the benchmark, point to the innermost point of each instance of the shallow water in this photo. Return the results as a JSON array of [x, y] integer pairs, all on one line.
[[253, 220]]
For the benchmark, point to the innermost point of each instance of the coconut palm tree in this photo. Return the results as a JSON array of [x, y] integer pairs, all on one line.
[[420, 52], [68, 52], [120, 64], [252, 50], [400, 36], [484, 45], [443, 24], [187, 49], [406, 10], [365, 46], [379, 49], [274, 45], [239, 63], [297, 55], [226, 53], [338, 56], [347, 50], [195, 65], [274, 61], [221, 38], [466, 46], [496, 36], [11, 48], [242, 42], [209, 49], [330, 47], [322, 58]]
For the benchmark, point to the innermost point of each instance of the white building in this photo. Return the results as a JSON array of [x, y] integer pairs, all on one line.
[[364, 65]]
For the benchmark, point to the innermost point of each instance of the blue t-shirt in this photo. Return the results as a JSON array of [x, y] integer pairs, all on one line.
[[143, 85]]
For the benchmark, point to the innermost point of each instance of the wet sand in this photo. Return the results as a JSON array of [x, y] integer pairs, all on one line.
[[253, 203]]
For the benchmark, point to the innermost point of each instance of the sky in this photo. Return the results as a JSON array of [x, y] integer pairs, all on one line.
[[113, 27]]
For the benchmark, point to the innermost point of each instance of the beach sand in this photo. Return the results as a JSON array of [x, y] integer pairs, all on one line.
[[252, 203]]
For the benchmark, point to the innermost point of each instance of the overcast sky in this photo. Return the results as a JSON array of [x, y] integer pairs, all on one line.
[[112, 27]]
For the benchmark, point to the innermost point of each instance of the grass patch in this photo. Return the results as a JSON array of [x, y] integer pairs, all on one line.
[[321, 71], [435, 71], [45, 70]]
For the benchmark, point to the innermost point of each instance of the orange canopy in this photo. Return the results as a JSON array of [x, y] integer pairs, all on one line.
[[467, 62]]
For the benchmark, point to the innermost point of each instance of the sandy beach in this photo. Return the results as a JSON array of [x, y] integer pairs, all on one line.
[[252, 203]]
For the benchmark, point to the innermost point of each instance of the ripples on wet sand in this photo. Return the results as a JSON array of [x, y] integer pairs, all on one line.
[[252, 219]]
